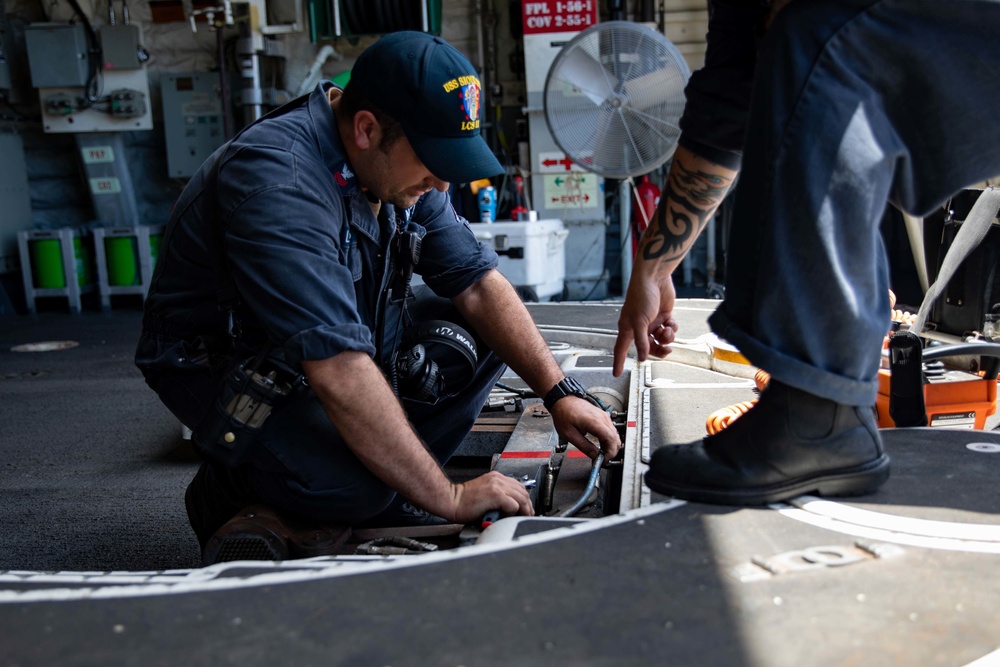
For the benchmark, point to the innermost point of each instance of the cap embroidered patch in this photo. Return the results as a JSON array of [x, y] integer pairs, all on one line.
[[469, 92]]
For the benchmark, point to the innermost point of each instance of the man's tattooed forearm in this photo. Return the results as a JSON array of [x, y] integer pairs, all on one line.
[[690, 200], [673, 226], [703, 189]]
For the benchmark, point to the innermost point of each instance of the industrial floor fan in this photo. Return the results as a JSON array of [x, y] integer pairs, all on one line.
[[613, 98]]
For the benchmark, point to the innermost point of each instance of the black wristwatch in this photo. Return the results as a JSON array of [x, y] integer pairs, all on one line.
[[565, 387]]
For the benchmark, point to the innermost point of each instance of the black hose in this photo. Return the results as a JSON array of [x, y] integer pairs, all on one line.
[[523, 393], [962, 350]]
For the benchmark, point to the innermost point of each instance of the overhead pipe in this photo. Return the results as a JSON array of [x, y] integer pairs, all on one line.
[[616, 8], [646, 13]]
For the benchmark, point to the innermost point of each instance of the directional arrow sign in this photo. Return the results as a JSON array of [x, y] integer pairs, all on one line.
[[555, 163], [574, 190]]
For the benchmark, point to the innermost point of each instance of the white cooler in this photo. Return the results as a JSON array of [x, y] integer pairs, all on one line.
[[532, 255]]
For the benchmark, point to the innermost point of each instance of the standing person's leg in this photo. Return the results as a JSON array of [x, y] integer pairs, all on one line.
[[844, 111], [854, 100]]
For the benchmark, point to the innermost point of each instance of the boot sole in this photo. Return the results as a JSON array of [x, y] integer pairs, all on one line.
[[857, 481], [244, 545]]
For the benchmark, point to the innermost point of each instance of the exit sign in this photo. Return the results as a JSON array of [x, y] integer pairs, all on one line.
[[541, 16]]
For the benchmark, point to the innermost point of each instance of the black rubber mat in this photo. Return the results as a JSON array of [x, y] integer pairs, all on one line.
[[94, 472], [693, 585]]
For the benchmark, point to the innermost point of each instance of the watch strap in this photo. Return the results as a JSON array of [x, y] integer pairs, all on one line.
[[566, 387]]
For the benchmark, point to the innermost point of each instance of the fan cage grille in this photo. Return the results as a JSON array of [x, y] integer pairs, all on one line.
[[613, 99]]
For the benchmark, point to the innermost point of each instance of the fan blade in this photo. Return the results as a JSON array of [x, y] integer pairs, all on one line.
[[615, 150], [580, 70], [628, 142], [578, 129], [652, 89]]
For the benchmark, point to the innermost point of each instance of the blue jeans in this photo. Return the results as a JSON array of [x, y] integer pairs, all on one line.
[[855, 102]]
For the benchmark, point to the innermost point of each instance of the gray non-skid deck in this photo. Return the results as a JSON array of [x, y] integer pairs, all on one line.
[[94, 471]]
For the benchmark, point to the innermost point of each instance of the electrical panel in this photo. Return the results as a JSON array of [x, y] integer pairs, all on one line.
[[57, 54], [120, 46], [123, 105], [192, 120], [76, 93]]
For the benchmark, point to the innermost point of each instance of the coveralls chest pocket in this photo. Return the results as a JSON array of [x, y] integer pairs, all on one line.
[[351, 252]]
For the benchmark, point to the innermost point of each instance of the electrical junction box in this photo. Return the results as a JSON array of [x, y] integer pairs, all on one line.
[[122, 107], [57, 54], [532, 255], [120, 46], [192, 120]]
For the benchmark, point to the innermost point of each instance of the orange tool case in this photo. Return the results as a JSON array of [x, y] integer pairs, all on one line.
[[951, 398]]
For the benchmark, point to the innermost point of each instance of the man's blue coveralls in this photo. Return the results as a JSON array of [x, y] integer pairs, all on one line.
[[310, 263]]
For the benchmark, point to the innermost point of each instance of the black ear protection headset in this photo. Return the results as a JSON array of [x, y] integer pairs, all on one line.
[[438, 359]]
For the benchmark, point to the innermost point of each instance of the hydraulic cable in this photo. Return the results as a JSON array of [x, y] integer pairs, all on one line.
[[523, 393], [394, 546], [584, 498]]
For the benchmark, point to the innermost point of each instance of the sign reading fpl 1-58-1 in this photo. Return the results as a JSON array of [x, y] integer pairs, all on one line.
[[542, 16]]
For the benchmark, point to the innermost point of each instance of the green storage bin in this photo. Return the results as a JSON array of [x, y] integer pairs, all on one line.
[[47, 270], [46, 263], [122, 254]]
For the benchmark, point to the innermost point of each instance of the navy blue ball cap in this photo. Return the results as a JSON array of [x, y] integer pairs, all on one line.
[[434, 92]]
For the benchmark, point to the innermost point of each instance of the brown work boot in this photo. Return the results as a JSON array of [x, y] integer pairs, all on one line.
[[259, 532]]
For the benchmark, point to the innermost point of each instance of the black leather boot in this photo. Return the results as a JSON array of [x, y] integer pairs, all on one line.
[[789, 444]]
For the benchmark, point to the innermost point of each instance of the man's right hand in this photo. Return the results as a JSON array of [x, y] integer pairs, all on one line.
[[492, 491], [646, 318], [694, 189]]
